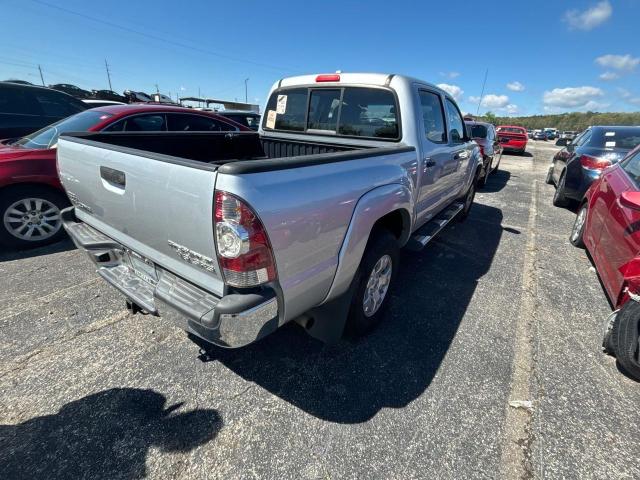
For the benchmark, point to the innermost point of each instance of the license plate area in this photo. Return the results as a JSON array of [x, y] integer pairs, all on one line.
[[142, 267], [505, 139]]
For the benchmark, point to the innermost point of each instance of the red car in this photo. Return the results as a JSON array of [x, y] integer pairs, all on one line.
[[512, 138], [608, 225], [31, 195]]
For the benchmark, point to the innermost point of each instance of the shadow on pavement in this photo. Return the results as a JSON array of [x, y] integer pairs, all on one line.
[[496, 181], [63, 245], [104, 435], [394, 365]]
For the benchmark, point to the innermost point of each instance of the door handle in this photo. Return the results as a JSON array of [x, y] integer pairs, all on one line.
[[114, 176], [430, 163]]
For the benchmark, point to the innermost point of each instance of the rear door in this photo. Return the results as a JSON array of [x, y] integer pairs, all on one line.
[[619, 240], [436, 165], [461, 147], [158, 206]]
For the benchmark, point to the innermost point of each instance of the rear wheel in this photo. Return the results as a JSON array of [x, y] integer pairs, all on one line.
[[559, 198], [487, 171], [628, 342], [30, 216], [549, 178], [468, 202], [577, 231], [375, 279]]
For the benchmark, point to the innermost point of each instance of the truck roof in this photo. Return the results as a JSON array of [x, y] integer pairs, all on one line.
[[381, 79]]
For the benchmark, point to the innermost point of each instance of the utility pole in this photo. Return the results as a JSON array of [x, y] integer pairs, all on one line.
[[199, 105], [41, 77], [106, 65], [157, 89], [246, 98]]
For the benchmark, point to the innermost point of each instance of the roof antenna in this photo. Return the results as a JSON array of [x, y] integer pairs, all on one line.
[[486, 72]]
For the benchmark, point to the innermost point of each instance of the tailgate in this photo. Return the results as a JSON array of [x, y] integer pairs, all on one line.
[[158, 206]]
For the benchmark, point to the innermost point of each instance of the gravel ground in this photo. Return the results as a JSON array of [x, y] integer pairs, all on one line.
[[499, 308]]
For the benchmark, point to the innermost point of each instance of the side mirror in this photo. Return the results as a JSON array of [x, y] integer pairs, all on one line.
[[562, 142], [630, 200], [455, 136]]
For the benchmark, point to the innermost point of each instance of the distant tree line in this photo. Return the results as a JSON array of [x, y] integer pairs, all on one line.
[[576, 121]]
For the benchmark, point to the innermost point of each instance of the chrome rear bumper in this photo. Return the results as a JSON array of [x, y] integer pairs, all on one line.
[[233, 320]]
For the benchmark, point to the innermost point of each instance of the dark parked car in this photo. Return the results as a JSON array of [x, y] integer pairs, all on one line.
[[108, 95], [539, 135], [25, 108], [248, 119], [31, 196], [21, 82], [485, 136], [607, 225], [134, 97], [71, 90], [575, 167]]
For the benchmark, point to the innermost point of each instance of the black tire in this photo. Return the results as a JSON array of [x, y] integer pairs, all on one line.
[[8, 199], [627, 346], [468, 202], [549, 178], [577, 232], [487, 171], [559, 198], [381, 243], [610, 334], [495, 169]]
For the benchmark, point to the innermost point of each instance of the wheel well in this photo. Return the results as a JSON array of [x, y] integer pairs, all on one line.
[[27, 185], [397, 222]]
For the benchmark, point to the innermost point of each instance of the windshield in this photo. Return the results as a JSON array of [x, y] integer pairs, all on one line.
[[478, 131], [48, 136]]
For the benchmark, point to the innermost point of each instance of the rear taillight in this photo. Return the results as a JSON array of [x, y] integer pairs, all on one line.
[[334, 77], [594, 163], [242, 244]]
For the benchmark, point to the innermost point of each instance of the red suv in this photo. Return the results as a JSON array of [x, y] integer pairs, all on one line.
[[31, 196]]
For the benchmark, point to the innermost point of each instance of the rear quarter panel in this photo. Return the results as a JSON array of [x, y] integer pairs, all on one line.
[[307, 212]]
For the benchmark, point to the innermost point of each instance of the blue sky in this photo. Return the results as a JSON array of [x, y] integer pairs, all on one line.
[[551, 57]]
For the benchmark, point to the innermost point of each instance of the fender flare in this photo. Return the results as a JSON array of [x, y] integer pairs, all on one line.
[[371, 207]]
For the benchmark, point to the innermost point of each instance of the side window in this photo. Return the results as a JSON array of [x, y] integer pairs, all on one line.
[[16, 100], [632, 167], [455, 122], [584, 139], [115, 127], [433, 117], [146, 123], [54, 105], [197, 123]]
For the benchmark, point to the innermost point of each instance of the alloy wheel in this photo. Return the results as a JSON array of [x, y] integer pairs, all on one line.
[[32, 219], [377, 286]]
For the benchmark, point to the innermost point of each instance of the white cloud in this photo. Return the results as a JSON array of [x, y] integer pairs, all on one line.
[[628, 96], [451, 75], [453, 90], [589, 18], [515, 86], [608, 76], [512, 109], [573, 98], [491, 101], [618, 62]]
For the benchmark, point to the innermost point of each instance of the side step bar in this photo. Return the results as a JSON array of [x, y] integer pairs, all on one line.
[[429, 230]]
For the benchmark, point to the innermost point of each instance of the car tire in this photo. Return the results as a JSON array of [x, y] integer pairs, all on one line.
[[628, 345], [610, 334], [487, 171], [559, 198], [30, 216], [577, 231], [374, 283], [549, 178], [468, 202]]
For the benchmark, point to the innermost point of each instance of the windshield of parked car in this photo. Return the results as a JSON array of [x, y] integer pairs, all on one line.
[[478, 131], [48, 136]]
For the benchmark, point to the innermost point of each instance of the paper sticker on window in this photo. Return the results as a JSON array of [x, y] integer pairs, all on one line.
[[282, 104], [610, 134], [610, 144], [271, 119]]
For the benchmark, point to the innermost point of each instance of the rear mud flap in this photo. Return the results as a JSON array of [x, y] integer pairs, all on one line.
[[330, 319]]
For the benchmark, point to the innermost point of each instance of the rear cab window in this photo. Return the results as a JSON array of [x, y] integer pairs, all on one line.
[[365, 112]]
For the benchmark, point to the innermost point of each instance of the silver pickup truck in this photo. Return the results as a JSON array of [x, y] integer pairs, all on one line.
[[232, 235]]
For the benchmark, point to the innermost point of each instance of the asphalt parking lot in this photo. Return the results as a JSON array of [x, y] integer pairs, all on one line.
[[498, 309]]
